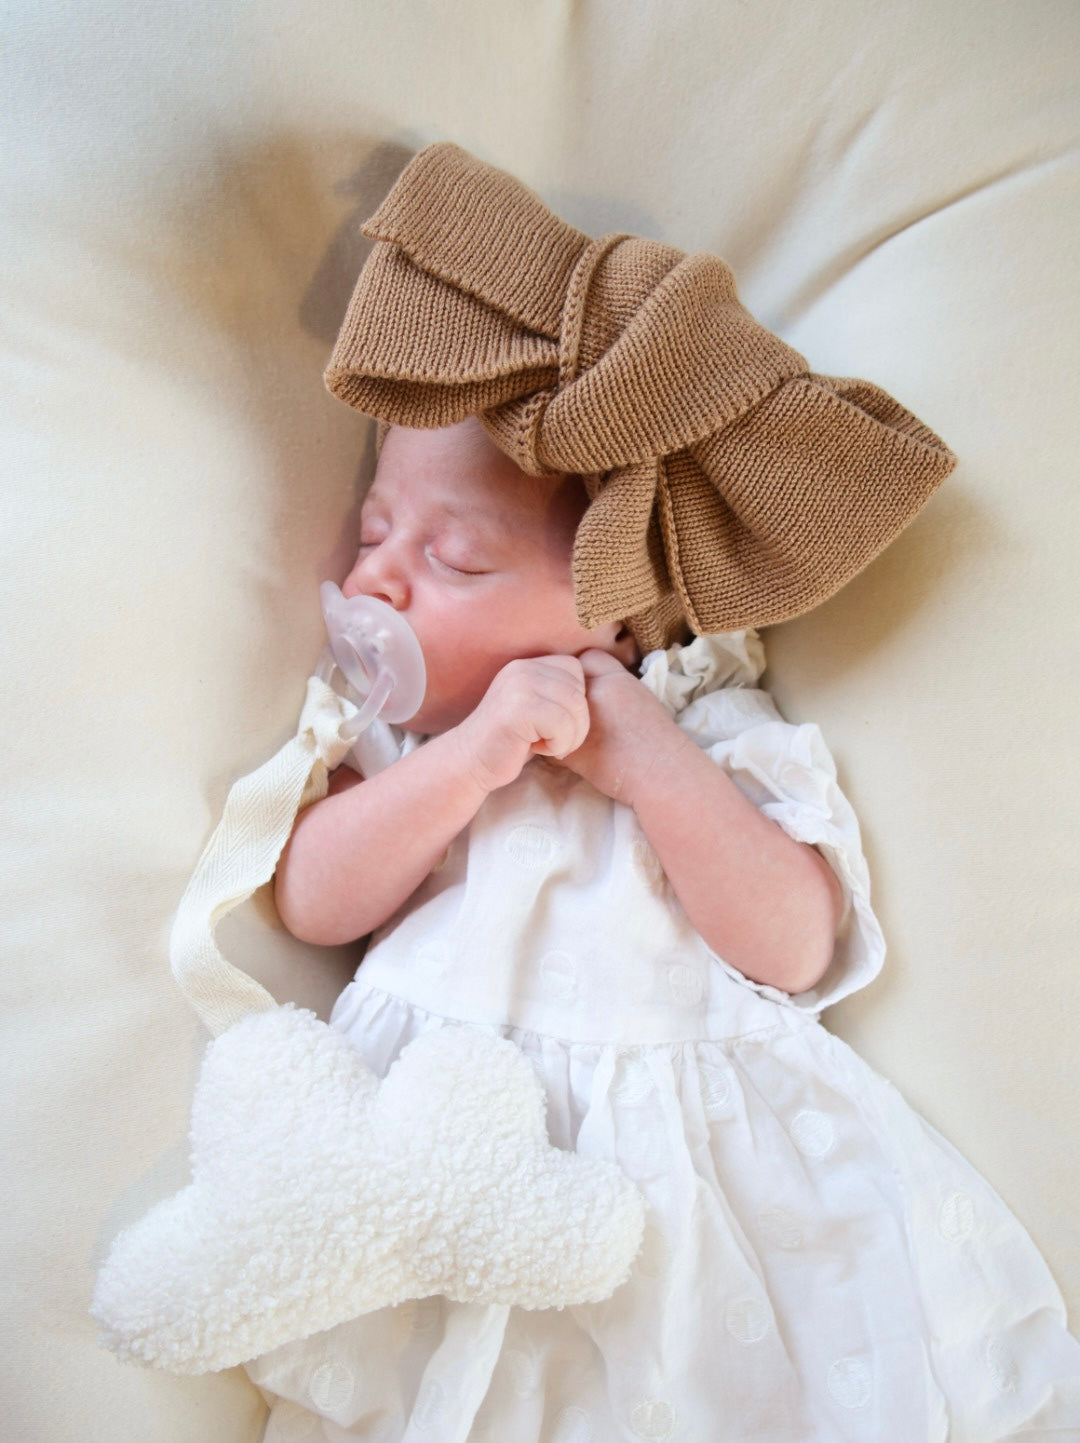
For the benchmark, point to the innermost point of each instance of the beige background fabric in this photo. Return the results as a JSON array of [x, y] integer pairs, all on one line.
[[896, 190]]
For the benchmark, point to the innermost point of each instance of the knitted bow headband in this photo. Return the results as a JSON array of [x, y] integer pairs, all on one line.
[[729, 486]]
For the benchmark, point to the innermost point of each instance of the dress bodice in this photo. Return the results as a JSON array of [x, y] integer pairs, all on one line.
[[551, 910]]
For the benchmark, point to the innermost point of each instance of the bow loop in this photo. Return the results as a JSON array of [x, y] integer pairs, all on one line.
[[479, 230], [446, 356]]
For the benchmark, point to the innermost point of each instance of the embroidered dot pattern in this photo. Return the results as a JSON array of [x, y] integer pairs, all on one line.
[[780, 1227], [792, 776], [652, 1419], [430, 1405], [418, 1315], [685, 985], [635, 1082], [747, 1320], [956, 1217], [572, 1425], [531, 846], [1001, 1366], [558, 975], [851, 1382], [716, 1090], [331, 1387], [431, 957], [812, 1133]]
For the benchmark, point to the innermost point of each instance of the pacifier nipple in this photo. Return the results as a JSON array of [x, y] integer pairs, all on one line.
[[378, 654]]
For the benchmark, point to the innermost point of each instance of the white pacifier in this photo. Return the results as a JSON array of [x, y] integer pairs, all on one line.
[[377, 653]]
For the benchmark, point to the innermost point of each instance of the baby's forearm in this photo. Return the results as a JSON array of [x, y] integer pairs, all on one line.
[[764, 902], [357, 854]]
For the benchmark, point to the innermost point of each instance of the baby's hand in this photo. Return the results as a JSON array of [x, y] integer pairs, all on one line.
[[535, 706], [628, 729]]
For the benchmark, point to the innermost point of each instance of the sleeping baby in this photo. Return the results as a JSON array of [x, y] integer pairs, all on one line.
[[476, 554], [598, 841], [651, 884]]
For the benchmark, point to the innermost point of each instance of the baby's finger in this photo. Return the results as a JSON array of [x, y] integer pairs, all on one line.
[[563, 667], [595, 662], [563, 728]]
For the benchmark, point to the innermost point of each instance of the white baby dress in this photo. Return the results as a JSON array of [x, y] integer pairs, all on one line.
[[819, 1264]]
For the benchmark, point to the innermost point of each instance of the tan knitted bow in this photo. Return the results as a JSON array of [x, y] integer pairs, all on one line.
[[729, 486]]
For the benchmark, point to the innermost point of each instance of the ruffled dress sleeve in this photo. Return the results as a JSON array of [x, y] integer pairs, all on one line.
[[787, 771]]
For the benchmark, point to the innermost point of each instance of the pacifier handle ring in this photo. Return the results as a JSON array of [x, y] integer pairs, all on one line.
[[381, 688]]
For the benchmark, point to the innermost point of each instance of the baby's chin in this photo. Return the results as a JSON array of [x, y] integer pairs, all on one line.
[[449, 700], [434, 718]]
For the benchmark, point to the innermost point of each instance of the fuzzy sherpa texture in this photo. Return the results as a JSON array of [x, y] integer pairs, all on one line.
[[318, 1194]]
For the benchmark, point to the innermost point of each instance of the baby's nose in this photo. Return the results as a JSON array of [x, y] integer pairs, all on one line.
[[374, 574]]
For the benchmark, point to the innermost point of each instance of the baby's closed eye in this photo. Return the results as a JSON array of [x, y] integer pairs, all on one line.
[[460, 566]]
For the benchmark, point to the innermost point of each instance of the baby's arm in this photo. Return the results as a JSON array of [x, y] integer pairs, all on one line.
[[357, 854], [767, 904]]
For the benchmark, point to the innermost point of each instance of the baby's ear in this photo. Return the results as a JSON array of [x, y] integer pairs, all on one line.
[[618, 641]]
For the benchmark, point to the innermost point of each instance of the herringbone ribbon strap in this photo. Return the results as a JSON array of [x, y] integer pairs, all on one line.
[[242, 854]]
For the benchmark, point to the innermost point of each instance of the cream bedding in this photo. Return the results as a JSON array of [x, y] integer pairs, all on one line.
[[896, 190]]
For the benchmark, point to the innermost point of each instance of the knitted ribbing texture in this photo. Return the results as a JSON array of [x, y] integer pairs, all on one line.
[[729, 485]]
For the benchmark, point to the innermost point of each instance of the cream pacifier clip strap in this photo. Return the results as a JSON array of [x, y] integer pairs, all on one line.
[[243, 852]]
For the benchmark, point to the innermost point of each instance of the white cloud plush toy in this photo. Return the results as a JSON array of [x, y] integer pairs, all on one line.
[[318, 1194]]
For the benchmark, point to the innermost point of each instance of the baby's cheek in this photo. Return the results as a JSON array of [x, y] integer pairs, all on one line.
[[449, 699]]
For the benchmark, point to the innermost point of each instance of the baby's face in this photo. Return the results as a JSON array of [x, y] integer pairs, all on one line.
[[475, 554]]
